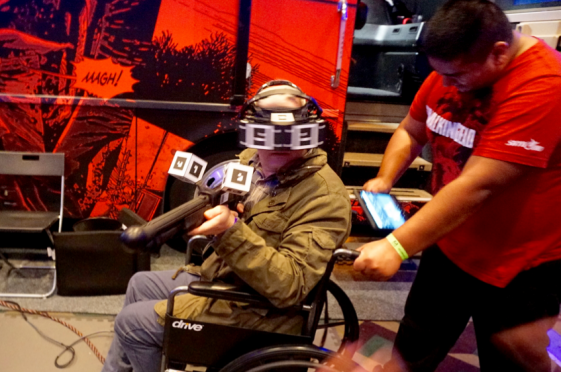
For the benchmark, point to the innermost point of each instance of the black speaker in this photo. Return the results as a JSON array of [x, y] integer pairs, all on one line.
[[90, 263]]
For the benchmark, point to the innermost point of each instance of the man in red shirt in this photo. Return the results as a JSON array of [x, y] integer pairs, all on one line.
[[491, 233]]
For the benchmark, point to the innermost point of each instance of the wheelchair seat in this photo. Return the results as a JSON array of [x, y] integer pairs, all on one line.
[[227, 348]]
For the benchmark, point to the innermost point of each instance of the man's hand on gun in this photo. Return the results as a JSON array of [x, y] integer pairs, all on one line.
[[218, 220]]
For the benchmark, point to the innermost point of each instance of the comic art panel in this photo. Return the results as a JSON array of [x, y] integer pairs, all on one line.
[[94, 79]]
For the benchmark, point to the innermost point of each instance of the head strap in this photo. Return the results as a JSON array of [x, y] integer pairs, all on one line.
[[310, 112], [281, 128]]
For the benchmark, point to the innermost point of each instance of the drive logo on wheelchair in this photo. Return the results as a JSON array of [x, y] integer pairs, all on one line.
[[189, 326]]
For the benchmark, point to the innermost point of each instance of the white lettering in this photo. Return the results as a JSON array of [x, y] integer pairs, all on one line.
[[531, 145], [188, 326], [194, 327], [453, 130]]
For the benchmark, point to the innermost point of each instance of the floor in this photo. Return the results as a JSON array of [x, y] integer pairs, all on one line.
[[377, 339], [23, 348]]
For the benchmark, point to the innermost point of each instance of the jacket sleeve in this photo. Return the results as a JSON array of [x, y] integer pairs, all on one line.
[[307, 237]]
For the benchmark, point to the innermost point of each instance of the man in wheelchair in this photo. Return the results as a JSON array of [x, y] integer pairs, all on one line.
[[278, 242]]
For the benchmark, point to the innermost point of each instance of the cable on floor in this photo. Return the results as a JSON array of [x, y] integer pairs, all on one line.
[[11, 266], [67, 348]]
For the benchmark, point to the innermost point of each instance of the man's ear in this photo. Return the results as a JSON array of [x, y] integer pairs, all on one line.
[[499, 53]]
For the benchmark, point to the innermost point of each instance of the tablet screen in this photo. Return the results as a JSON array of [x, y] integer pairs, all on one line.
[[384, 209]]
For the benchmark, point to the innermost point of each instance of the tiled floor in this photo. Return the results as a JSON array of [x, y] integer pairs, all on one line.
[[23, 349], [378, 337], [377, 340]]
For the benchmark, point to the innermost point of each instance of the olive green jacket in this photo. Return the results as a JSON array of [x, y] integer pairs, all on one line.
[[280, 248]]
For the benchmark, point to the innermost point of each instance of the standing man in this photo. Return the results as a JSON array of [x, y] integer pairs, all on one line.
[[296, 213], [491, 235]]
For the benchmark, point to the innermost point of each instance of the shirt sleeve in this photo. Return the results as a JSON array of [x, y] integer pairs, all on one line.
[[418, 109], [525, 127]]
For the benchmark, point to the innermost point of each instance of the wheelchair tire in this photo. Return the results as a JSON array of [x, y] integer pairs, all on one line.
[[350, 320], [290, 358]]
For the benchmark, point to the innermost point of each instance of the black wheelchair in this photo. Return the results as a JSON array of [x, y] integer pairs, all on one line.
[[198, 346], [232, 349]]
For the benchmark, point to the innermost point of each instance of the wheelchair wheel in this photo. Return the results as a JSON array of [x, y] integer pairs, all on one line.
[[291, 358], [350, 321]]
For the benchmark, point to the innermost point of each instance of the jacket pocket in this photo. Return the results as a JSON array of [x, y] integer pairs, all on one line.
[[272, 222], [323, 239]]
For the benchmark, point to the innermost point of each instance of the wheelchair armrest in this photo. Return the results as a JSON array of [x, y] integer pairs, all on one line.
[[195, 243], [223, 291], [230, 292]]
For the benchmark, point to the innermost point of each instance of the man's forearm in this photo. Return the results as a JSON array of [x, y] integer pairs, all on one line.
[[404, 146], [436, 218], [400, 153], [456, 202]]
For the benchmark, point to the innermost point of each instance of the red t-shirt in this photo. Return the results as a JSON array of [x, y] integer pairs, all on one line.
[[517, 120]]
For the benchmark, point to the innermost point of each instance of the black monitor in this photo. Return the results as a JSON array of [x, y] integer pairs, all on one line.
[[387, 65]]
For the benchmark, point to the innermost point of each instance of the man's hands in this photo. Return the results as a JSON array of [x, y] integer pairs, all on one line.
[[378, 185], [378, 260], [219, 219]]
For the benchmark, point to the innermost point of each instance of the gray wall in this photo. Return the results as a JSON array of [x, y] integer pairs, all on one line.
[[427, 8]]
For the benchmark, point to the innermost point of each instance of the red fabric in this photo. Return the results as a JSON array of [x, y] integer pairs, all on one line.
[[515, 121]]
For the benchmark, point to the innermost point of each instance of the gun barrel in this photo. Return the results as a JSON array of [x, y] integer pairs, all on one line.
[[164, 227]]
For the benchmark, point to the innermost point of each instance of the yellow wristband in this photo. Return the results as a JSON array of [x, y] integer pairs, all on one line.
[[397, 246]]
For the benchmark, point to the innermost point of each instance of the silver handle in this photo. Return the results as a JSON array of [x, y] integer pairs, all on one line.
[[341, 8]]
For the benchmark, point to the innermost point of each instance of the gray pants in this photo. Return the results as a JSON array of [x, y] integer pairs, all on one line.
[[137, 344]]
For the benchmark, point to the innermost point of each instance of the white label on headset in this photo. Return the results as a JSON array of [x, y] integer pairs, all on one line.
[[304, 136], [283, 117], [259, 136]]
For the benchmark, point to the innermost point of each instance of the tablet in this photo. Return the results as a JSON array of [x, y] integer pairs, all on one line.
[[383, 210]]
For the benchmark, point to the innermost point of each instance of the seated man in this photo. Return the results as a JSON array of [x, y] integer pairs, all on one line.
[[296, 213]]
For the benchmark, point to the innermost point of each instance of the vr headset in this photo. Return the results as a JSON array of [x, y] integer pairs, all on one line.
[[281, 129]]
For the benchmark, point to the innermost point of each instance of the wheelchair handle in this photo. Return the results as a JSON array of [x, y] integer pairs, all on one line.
[[346, 254]]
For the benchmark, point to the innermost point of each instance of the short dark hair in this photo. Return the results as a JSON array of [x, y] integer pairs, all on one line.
[[466, 29]]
